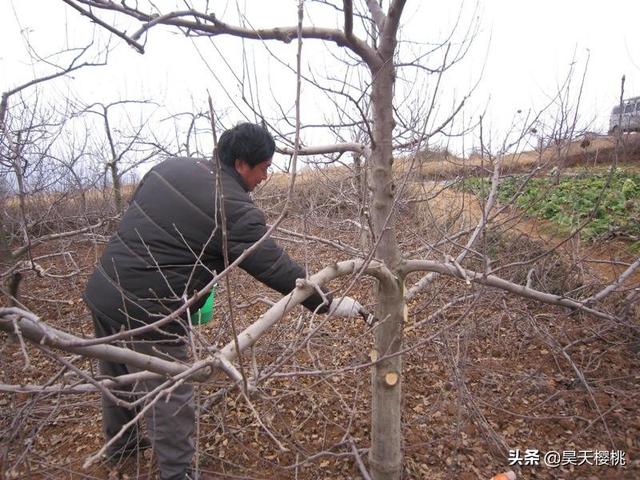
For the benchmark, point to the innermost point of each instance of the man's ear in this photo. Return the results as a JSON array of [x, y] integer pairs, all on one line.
[[240, 165]]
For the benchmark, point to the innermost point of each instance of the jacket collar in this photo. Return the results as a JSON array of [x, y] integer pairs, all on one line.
[[233, 173]]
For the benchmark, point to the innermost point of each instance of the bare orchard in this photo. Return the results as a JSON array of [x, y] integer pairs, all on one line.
[[502, 343], [486, 371]]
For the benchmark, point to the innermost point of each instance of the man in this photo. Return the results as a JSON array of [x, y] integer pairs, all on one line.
[[168, 243]]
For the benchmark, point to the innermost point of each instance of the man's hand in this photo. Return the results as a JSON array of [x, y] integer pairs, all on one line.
[[345, 307]]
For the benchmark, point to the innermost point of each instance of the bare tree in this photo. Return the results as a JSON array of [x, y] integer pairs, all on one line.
[[29, 128], [460, 252], [125, 150]]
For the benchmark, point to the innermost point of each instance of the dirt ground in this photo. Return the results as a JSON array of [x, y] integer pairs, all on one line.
[[493, 373]]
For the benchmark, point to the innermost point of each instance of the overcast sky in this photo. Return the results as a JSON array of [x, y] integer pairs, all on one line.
[[522, 53]]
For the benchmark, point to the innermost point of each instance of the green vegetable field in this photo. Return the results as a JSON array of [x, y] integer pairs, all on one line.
[[608, 203]]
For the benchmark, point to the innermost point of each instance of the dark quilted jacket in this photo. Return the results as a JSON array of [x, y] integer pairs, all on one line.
[[169, 242]]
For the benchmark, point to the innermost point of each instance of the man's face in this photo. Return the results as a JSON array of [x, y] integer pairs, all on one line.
[[252, 176]]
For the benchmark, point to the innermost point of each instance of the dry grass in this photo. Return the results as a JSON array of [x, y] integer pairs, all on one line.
[[589, 151]]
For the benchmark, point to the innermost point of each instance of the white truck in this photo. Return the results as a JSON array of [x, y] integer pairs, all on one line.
[[625, 117]]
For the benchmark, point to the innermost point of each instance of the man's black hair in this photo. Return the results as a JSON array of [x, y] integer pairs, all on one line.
[[246, 141]]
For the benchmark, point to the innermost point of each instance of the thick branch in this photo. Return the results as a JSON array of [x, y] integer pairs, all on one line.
[[619, 281], [64, 388], [455, 270], [209, 24], [33, 329], [377, 14], [250, 335], [326, 149], [348, 18], [392, 23]]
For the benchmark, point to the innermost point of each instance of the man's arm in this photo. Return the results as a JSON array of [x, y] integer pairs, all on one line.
[[269, 264]]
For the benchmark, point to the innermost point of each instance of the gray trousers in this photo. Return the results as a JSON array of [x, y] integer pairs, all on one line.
[[170, 422]]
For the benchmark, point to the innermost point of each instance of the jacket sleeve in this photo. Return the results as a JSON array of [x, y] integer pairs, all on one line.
[[269, 264]]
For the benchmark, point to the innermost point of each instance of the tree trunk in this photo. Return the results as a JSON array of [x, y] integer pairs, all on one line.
[[117, 185], [385, 456], [113, 164], [362, 196]]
